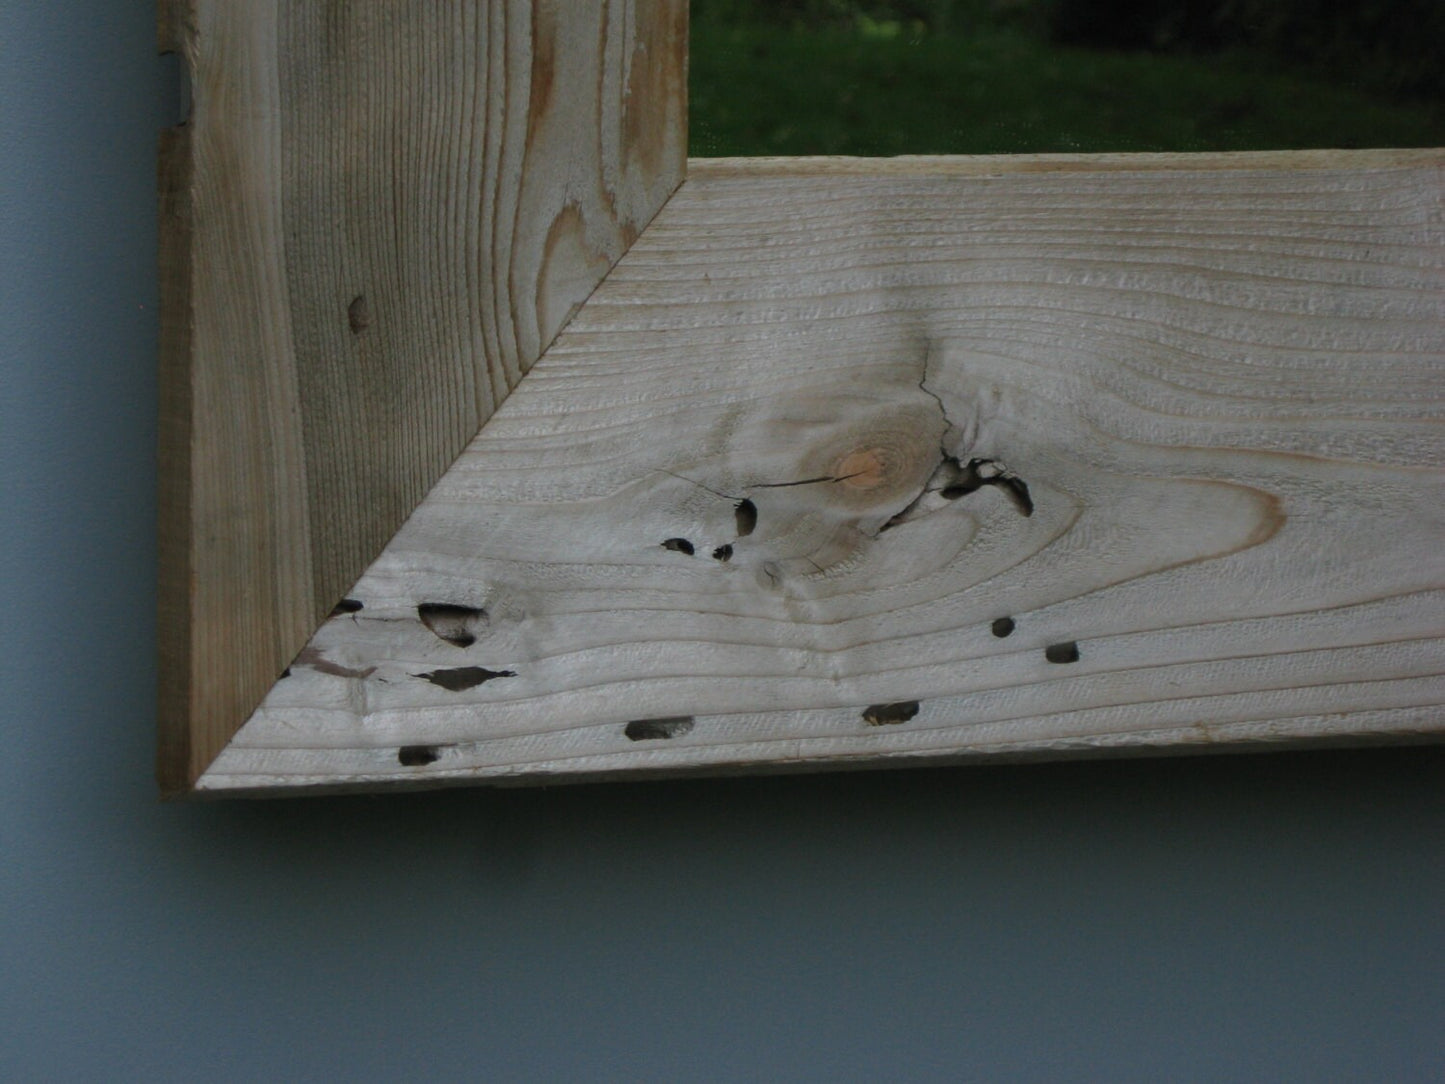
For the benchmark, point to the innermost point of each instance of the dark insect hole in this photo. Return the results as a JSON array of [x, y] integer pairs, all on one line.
[[890, 714], [1064, 652], [746, 514], [460, 678], [658, 729], [451, 622], [417, 756]]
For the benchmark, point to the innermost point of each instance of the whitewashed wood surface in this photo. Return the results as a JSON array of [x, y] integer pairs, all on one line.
[[1216, 384]]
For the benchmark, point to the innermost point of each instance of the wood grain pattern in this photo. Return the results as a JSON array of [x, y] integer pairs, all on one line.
[[377, 217], [856, 464]]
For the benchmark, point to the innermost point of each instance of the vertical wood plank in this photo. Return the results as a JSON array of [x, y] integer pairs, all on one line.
[[377, 218]]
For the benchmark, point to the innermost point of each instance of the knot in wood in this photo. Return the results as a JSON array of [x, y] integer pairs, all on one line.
[[875, 464], [867, 468]]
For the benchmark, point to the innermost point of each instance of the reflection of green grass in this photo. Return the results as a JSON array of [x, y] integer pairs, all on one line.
[[770, 90]]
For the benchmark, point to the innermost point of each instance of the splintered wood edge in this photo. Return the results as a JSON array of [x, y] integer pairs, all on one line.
[[650, 140], [1392, 725]]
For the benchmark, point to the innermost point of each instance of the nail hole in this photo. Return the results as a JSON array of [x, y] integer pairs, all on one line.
[[346, 606], [723, 553], [1002, 626], [417, 756], [459, 678], [1064, 652], [890, 714], [658, 729], [453, 623], [678, 545], [746, 514], [358, 314]]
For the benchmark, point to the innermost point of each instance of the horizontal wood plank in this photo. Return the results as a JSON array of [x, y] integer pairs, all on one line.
[[376, 218], [858, 464]]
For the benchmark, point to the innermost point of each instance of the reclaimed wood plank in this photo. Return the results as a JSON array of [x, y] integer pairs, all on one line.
[[852, 463]]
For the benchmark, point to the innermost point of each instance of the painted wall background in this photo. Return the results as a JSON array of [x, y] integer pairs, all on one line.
[[1260, 917]]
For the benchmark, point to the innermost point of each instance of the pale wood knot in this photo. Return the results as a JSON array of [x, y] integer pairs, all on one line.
[[866, 468], [889, 459]]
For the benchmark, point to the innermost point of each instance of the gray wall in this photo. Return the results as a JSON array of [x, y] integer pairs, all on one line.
[[1246, 917]]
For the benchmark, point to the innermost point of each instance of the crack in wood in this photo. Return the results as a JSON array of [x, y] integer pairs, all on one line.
[[978, 473], [805, 481], [952, 478]]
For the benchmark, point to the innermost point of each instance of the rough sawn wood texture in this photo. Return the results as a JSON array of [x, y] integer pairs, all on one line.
[[869, 463], [376, 218]]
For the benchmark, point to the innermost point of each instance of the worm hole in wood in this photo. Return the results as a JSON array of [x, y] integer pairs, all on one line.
[[346, 606], [746, 514], [451, 622], [460, 678], [890, 714], [679, 545], [658, 729], [1067, 651], [417, 756], [1002, 626], [723, 553]]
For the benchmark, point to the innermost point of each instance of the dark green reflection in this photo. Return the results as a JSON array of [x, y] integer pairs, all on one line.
[[800, 77]]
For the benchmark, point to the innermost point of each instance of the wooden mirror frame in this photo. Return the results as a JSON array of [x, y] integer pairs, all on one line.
[[846, 463]]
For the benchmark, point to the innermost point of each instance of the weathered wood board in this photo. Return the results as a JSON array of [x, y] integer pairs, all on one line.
[[376, 218], [884, 462]]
